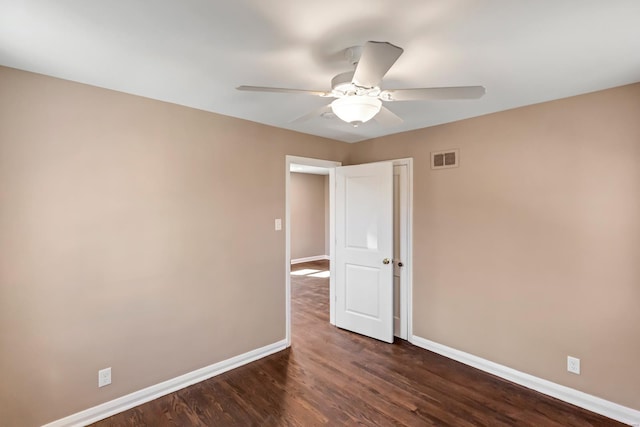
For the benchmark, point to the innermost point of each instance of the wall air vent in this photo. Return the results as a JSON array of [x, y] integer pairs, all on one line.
[[445, 159]]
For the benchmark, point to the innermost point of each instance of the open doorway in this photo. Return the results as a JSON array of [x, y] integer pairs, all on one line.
[[310, 252], [307, 249], [402, 183], [309, 210]]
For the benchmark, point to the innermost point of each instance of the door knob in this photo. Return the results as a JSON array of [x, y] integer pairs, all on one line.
[[386, 261], [400, 264]]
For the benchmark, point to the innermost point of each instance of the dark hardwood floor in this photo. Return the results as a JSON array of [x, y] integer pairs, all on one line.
[[330, 376]]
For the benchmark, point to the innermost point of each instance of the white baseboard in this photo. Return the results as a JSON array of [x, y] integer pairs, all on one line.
[[309, 259], [566, 394], [139, 397]]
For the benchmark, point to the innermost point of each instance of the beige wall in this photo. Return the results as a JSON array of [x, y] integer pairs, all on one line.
[[134, 234], [530, 250], [307, 215]]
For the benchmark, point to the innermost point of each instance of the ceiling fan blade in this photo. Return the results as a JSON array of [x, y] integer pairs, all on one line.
[[375, 61], [426, 94], [284, 90], [315, 113], [387, 117]]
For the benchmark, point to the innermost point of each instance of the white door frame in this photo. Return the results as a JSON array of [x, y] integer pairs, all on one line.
[[406, 301], [307, 161], [402, 251], [406, 305]]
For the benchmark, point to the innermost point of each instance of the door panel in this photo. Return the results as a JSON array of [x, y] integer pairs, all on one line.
[[364, 239], [362, 291]]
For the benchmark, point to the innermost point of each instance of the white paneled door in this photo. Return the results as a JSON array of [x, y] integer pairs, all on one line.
[[364, 249]]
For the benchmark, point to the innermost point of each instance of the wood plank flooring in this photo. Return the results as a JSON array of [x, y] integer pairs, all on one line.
[[333, 377]]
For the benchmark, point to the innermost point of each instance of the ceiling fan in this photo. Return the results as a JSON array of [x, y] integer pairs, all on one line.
[[358, 94]]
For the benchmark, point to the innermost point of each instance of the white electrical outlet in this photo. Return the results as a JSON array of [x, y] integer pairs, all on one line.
[[573, 365], [278, 224], [104, 377]]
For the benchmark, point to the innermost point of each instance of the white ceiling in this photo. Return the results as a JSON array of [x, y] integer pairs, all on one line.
[[195, 52]]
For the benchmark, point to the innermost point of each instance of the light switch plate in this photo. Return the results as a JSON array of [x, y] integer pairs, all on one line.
[[278, 224]]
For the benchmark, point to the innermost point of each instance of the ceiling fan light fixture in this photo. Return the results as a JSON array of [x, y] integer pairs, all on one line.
[[358, 94], [356, 109]]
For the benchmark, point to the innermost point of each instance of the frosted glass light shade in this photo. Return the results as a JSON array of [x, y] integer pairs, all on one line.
[[355, 108]]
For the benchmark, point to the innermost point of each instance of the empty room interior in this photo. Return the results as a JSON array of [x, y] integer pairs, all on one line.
[[306, 213]]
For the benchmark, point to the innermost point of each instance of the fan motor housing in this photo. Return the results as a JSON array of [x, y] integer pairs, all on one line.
[[342, 82]]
